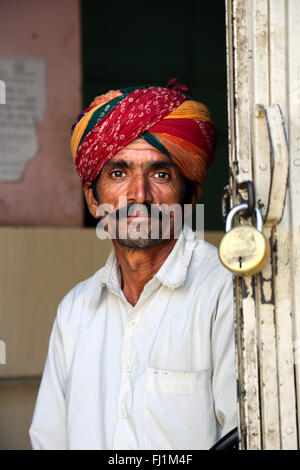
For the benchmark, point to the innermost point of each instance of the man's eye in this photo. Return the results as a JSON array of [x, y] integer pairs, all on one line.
[[162, 175], [117, 173]]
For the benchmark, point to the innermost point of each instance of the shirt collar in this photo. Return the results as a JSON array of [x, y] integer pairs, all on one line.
[[111, 275], [174, 270], [172, 273]]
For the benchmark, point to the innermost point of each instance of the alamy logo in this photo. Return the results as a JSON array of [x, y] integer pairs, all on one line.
[[2, 352], [143, 225], [2, 92]]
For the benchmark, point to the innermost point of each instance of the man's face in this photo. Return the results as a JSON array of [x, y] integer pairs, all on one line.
[[140, 175]]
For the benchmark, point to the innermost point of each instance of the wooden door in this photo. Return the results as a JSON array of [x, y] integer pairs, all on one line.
[[263, 63]]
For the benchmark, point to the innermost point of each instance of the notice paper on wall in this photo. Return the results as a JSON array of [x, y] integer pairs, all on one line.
[[25, 101]]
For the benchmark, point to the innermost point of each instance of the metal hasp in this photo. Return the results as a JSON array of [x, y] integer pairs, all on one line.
[[263, 67]]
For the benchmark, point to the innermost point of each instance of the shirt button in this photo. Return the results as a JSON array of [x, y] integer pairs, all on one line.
[[132, 324], [127, 368], [123, 412]]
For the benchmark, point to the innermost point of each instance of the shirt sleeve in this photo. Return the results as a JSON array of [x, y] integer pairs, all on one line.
[[48, 427], [224, 382]]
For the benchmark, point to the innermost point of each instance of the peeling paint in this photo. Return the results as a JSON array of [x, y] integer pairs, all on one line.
[[262, 30], [267, 294], [260, 205], [245, 291]]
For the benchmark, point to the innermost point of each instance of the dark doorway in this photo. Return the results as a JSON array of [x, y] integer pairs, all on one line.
[[134, 43]]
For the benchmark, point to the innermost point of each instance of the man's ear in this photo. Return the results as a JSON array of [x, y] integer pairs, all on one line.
[[194, 196], [92, 203], [197, 193]]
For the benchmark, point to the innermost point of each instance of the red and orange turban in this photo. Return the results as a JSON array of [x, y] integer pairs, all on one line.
[[165, 117]]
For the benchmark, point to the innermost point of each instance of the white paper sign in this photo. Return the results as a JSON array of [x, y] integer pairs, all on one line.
[[25, 98]]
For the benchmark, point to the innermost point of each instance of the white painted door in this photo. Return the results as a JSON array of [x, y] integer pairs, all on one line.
[[263, 59]]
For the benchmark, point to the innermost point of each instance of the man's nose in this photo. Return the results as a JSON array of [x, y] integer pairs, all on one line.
[[139, 190]]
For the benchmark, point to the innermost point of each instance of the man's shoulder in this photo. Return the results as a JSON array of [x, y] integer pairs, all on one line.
[[80, 296], [204, 251], [206, 260]]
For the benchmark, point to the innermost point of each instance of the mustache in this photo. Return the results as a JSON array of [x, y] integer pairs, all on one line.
[[132, 208]]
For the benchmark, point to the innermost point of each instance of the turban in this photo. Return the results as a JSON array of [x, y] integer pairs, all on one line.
[[165, 117]]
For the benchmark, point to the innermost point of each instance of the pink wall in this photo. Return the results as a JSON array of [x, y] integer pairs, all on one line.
[[50, 192]]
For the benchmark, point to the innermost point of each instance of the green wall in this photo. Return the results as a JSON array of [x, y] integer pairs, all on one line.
[[134, 43]]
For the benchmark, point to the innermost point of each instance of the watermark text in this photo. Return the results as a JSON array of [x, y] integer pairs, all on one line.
[[2, 352], [2, 92]]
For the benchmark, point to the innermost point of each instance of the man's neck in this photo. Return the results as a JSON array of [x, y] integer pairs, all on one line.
[[138, 266]]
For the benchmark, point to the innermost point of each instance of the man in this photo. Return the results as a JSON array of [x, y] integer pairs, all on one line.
[[141, 355]]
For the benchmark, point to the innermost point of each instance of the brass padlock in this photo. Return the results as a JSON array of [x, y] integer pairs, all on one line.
[[244, 249]]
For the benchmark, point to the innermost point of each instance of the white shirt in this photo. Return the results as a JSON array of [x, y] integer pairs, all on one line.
[[159, 375]]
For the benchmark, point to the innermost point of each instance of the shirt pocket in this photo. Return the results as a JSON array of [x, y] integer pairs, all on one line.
[[179, 410], [173, 381]]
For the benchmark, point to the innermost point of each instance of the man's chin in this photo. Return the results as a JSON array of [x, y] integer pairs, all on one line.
[[141, 243]]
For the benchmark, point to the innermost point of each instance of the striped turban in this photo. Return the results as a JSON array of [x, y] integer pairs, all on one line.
[[165, 117]]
